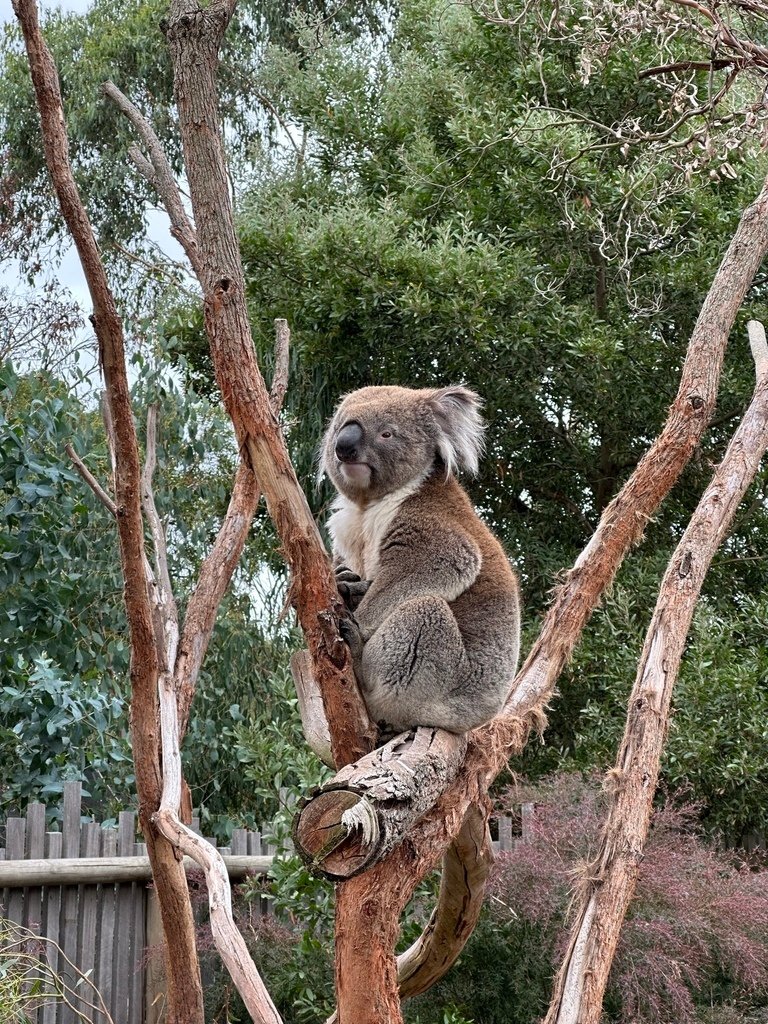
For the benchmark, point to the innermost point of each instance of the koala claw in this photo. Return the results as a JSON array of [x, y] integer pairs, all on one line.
[[351, 587], [351, 635]]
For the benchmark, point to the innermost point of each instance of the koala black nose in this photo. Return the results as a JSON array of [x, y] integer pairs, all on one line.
[[347, 442]]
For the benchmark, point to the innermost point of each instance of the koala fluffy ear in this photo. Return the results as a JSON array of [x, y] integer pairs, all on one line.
[[460, 427]]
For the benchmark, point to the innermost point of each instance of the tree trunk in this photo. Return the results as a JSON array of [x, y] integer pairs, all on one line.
[[194, 35], [185, 990]]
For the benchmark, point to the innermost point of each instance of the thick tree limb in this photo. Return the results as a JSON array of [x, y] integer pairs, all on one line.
[[610, 880], [387, 887], [184, 998], [363, 812], [194, 35]]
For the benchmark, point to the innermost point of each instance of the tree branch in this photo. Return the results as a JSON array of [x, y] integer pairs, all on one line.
[[185, 997], [155, 525], [609, 882], [158, 172], [90, 479]]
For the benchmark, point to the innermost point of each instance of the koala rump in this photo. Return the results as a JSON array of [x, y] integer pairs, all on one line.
[[435, 633]]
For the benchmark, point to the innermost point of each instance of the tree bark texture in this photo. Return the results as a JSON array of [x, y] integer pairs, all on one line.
[[382, 890], [194, 35], [185, 990], [609, 881]]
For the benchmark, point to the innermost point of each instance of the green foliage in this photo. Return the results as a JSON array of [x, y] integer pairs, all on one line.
[[716, 749], [424, 237], [122, 41], [503, 975], [53, 729], [63, 652]]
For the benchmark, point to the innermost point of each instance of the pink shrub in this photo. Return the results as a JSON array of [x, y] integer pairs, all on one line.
[[697, 929]]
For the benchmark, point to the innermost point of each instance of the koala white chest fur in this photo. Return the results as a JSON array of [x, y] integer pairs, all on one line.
[[434, 604], [357, 533]]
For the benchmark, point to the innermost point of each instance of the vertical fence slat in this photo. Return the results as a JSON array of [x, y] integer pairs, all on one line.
[[154, 975], [126, 831], [106, 930], [70, 831], [239, 841], [33, 897], [15, 830], [52, 921], [139, 895], [89, 907]]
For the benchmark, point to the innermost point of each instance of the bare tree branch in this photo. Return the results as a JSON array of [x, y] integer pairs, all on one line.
[[90, 479], [282, 357], [153, 519], [609, 882], [158, 171]]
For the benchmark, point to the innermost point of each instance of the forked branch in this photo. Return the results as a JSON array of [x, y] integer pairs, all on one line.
[[610, 880], [491, 745]]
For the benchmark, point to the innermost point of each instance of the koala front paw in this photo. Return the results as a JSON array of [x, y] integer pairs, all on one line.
[[351, 587], [352, 637]]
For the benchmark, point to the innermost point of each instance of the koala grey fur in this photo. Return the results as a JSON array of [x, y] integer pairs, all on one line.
[[435, 634]]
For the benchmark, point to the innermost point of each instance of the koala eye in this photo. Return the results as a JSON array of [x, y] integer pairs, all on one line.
[[386, 433]]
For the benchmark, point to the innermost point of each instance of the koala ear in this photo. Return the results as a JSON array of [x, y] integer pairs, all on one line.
[[460, 427]]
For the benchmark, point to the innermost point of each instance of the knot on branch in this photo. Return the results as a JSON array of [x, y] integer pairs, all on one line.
[[697, 402]]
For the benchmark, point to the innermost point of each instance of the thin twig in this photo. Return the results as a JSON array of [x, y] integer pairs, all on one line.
[[90, 479]]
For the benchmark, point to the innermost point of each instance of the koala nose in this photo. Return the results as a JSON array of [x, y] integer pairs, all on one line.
[[348, 441]]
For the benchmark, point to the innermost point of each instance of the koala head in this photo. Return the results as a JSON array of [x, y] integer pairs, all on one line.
[[382, 438]]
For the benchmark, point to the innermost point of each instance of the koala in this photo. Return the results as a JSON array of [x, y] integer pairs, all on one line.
[[434, 605]]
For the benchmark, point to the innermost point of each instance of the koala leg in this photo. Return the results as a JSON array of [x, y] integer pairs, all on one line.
[[415, 670]]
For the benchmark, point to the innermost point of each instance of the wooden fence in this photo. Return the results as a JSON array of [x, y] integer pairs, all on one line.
[[99, 914], [86, 889]]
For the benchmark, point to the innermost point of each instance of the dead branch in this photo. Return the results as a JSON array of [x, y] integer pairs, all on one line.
[[691, 65], [166, 598], [282, 365], [610, 880], [90, 479], [313, 720]]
